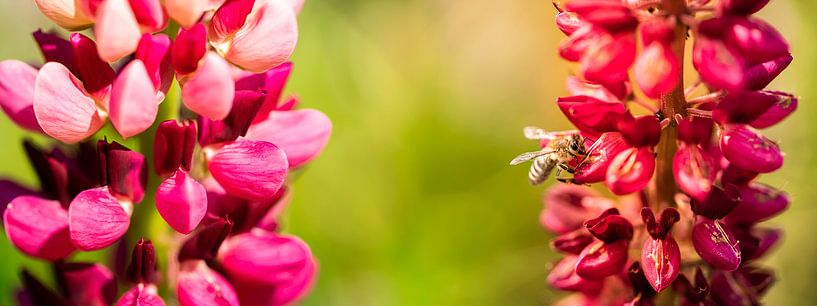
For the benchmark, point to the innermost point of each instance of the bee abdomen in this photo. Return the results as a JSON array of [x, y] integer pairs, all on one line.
[[540, 170]]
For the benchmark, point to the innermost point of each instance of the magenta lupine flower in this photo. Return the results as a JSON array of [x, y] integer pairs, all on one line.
[[220, 156], [691, 205]]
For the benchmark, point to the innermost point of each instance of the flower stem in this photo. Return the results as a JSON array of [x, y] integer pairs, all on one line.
[[671, 103]]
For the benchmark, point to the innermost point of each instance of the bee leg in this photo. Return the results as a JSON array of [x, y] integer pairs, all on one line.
[[567, 168], [567, 180]]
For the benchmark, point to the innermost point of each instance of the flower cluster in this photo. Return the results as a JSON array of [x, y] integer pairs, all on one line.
[[683, 160], [221, 166]]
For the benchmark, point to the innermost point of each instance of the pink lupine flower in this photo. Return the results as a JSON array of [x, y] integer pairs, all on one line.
[[592, 116], [228, 199], [593, 168], [608, 255], [716, 245], [567, 207], [749, 150], [785, 104], [657, 69]]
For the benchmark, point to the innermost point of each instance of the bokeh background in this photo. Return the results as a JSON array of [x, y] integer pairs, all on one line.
[[412, 202]]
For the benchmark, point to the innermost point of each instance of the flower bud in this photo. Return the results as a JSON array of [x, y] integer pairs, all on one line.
[[173, 146], [200, 285], [204, 244], [785, 104], [716, 245], [46, 238], [630, 171], [594, 167], [123, 171], [87, 284], [661, 261], [301, 134], [599, 259], [694, 170], [758, 203], [96, 219], [181, 201], [590, 115], [749, 150]]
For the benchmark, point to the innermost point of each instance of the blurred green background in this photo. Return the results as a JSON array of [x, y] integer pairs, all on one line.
[[412, 202]]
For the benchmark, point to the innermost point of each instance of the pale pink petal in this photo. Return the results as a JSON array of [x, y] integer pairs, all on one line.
[[182, 202], [133, 105], [89, 284], [116, 30], [199, 285], [266, 40], [209, 91], [186, 12], [64, 13], [248, 169], [62, 106], [17, 93], [296, 5], [38, 227], [302, 134], [141, 295], [97, 219]]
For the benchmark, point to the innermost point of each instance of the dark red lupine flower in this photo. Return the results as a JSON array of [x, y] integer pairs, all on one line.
[[695, 159]]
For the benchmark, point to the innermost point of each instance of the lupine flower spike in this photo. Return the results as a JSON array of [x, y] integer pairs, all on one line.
[[220, 155], [684, 160]]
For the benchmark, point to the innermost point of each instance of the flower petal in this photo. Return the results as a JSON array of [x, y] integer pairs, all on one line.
[[97, 219], [630, 171], [64, 13], [124, 170], [716, 245], [199, 285], [282, 265], [302, 134], [209, 91], [133, 105], [186, 12], [182, 202], [38, 227], [154, 52], [116, 29], [189, 49], [17, 93], [252, 170], [149, 14], [661, 261], [173, 146], [63, 109], [56, 49], [749, 150], [96, 75], [266, 40], [599, 259]]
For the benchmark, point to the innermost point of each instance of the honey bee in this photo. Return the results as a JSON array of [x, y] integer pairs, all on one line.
[[562, 147]]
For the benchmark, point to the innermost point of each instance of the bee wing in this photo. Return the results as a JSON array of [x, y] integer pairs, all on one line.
[[536, 133], [528, 156]]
